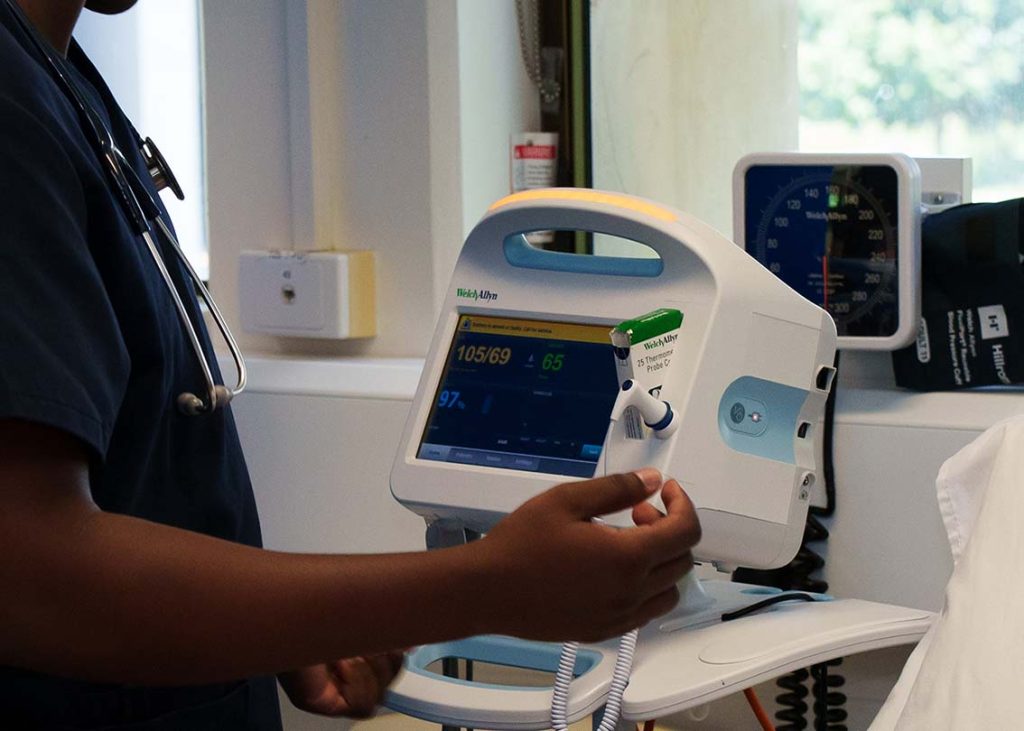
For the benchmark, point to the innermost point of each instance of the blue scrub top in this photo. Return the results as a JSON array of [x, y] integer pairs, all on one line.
[[90, 343]]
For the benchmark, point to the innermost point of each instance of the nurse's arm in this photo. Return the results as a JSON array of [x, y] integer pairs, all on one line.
[[99, 596]]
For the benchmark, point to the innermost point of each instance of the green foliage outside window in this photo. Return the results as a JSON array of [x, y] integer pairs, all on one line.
[[949, 73]]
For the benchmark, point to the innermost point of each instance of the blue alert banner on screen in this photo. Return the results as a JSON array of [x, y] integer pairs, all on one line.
[[830, 232], [524, 395]]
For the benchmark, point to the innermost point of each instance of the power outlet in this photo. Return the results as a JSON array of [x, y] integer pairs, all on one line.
[[326, 294]]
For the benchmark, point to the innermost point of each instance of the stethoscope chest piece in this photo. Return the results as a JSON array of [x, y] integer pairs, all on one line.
[[159, 170]]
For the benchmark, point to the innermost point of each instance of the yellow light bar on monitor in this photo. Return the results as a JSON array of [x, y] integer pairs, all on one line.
[[589, 196]]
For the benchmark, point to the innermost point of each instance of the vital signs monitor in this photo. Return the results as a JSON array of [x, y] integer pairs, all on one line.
[[540, 364], [520, 390]]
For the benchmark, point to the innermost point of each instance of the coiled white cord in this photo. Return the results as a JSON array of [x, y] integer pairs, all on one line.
[[658, 415], [613, 702], [560, 693]]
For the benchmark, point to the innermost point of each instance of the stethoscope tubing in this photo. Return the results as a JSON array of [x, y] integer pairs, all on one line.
[[142, 211], [219, 395]]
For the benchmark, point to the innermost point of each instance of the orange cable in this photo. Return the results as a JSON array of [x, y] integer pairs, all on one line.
[[758, 709]]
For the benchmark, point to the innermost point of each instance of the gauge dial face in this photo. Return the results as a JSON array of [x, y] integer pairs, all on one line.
[[830, 232]]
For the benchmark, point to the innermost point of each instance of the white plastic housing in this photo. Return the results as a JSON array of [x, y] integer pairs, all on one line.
[[746, 337]]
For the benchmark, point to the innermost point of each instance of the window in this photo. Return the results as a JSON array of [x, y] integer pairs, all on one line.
[[929, 78], [150, 58], [682, 90]]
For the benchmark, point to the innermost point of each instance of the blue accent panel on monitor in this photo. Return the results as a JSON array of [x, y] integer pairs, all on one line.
[[498, 650], [520, 253], [760, 417]]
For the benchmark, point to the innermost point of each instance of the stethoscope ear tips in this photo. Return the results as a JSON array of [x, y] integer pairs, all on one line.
[[224, 396], [191, 405]]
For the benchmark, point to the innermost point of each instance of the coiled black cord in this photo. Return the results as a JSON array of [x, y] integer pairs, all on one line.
[[829, 714], [792, 703]]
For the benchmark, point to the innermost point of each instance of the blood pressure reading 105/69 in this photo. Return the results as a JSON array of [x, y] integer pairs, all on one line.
[[521, 394], [830, 232]]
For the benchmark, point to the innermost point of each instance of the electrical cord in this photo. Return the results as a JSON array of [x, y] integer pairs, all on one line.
[[792, 704], [828, 703], [789, 596], [829, 714], [758, 709], [658, 415], [560, 692], [613, 702], [624, 663]]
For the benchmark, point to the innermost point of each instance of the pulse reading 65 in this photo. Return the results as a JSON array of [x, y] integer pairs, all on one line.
[[552, 361]]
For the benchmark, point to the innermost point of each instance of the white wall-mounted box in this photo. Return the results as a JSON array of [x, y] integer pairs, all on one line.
[[945, 181], [319, 294]]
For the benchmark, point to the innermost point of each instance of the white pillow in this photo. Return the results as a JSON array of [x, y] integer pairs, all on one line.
[[966, 672]]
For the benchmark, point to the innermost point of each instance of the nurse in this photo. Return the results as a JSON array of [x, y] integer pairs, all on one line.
[[133, 590]]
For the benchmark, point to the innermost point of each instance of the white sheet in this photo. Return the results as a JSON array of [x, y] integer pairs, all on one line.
[[966, 673]]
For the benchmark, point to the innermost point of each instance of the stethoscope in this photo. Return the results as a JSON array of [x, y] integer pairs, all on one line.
[[143, 213]]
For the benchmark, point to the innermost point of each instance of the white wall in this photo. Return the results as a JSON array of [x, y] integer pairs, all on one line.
[[675, 89], [383, 195], [392, 163], [248, 191]]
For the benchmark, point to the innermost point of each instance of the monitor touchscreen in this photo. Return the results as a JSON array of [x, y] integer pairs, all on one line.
[[525, 395]]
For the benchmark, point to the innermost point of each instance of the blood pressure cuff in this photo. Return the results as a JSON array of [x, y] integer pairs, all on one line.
[[972, 318]]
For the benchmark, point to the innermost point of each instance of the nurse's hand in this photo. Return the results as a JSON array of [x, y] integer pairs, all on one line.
[[557, 575], [352, 687]]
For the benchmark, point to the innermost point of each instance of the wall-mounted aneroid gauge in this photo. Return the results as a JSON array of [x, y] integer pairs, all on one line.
[[843, 230]]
